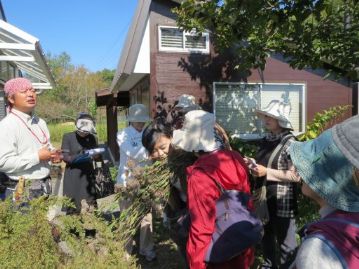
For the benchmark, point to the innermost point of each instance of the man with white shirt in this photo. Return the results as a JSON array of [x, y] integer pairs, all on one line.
[[133, 154], [25, 149]]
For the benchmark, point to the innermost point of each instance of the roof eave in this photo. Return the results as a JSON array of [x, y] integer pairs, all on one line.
[[24, 51], [132, 45]]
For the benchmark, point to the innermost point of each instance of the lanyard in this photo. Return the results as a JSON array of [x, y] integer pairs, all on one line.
[[31, 131]]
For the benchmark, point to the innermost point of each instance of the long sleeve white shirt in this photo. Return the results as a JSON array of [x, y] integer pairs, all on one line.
[[132, 153], [20, 141]]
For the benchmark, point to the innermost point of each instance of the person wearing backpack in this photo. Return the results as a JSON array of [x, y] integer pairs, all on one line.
[[214, 171], [275, 187], [329, 169]]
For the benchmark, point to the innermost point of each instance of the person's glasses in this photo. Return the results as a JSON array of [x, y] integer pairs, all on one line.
[[32, 90]]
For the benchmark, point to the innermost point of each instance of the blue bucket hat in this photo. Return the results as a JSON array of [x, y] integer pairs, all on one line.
[[325, 169], [346, 137]]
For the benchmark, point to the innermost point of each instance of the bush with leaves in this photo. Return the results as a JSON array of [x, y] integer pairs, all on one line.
[[150, 187], [25, 237], [323, 120], [29, 240]]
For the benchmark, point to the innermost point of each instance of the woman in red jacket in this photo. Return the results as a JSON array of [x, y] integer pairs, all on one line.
[[227, 167]]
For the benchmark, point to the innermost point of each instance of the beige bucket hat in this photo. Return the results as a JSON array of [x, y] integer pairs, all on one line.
[[277, 110], [138, 113], [197, 133], [187, 102]]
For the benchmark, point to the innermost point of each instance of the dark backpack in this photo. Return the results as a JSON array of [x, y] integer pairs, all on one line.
[[104, 185], [237, 228]]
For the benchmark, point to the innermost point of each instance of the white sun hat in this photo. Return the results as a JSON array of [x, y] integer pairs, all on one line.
[[187, 102], [138, 113], [197, 133], [277, 110], [85, 123]]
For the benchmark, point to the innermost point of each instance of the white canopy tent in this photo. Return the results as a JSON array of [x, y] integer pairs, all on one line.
[[24, 50]]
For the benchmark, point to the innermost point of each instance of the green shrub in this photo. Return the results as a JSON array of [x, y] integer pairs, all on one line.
[[28, 240], [243, 147], [25, 237], [323, 120]]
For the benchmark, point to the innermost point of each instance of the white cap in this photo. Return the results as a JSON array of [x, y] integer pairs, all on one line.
[[277, 110], [187, 102], [138, 113], [86, 125]]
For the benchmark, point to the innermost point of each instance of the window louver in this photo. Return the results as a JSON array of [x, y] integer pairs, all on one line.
[[172, 38]]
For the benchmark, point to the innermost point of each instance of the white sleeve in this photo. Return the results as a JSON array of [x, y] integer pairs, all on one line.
[[315, 253], [10, 160]]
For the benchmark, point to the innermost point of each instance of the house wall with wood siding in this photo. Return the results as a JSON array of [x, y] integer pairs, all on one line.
[[321, 93], [173, 74], [168, 80]]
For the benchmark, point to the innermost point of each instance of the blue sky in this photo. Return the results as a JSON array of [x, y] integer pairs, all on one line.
[[92, 32]]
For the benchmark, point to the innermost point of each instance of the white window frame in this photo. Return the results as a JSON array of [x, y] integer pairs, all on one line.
[[183, 49], [259, 135]]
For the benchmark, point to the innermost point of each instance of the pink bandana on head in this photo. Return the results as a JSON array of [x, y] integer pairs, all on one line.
[[16, 84]]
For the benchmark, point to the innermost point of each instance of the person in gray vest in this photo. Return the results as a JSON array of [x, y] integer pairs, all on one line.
[[26, 149]]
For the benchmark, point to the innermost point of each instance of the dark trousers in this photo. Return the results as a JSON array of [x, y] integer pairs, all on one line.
[[33, 188], [279, 238]]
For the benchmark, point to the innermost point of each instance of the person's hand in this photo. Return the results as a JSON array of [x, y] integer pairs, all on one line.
[[44, 154], [56, 156], [259, 171], [250, 162]]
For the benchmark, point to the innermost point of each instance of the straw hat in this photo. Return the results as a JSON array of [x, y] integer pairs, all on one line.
[[197, 133], [138, 113], [277, 110], [325, 169]]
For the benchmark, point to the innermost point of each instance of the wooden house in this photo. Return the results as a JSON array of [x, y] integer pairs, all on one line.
[[159, 62]]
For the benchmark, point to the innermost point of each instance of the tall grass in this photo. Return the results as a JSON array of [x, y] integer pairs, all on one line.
[[57, 131]]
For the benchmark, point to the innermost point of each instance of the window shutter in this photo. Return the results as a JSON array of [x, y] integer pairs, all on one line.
[[2, 105], [171, 38], [195, 42], [3, 71]]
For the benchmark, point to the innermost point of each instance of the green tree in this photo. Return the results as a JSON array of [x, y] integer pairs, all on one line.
[[74, 91], [316, 34], [107, 75]]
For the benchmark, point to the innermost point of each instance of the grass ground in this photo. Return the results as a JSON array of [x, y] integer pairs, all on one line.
[[59, 129]]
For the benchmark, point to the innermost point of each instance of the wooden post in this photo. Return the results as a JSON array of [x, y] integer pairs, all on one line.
[[111, 115]]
